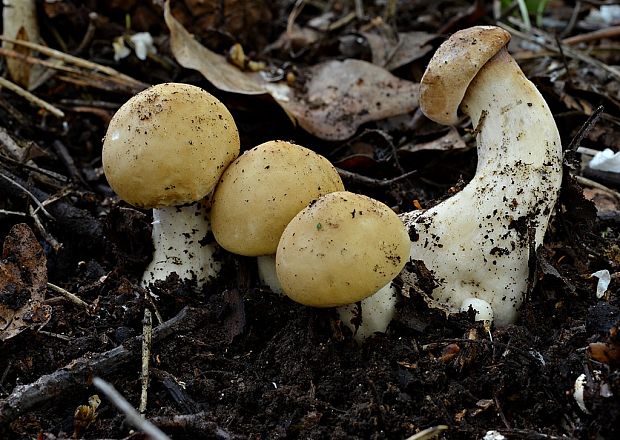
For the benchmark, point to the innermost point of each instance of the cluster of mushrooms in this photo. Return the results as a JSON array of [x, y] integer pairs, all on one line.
[[175, 148]]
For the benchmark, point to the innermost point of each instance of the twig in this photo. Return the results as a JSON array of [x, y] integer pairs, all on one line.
[[147, 340], [585, 128], [610, 32], [79, 373], [573, 20], [584, 181], [31, 98], [428, 433], [68, 161], [49, 238], [55, 335], [5, 212], [363, 180], [34, 199], [564, 60], [70, 296], [133, 417], [33, 167], [80, 62]]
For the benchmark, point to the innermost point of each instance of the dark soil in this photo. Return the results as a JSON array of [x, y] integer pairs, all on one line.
[[237, 361]]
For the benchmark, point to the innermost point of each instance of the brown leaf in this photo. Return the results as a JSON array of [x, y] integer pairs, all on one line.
[[342, 95], [23, 281]]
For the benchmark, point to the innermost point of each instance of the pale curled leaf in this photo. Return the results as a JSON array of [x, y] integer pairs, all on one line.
[[338, 97]]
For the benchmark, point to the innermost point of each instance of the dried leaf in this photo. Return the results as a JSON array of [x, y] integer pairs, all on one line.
[[393, 54], [23, 281], [342, 95]]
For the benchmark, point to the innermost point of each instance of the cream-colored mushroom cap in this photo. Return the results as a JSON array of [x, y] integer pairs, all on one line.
[[454, 66], [261, 191], [168, 145], [341, 249]]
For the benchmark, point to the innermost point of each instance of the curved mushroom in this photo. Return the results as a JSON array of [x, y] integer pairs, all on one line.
[[165, 149], [478, 243]]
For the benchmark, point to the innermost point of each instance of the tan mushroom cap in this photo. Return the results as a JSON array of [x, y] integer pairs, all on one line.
[[341, 249], [454, 66], [261, 191], [168, 146]]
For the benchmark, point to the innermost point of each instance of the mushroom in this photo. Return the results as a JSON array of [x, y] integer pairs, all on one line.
[[340, 250], [479, 242], [259, 194], [165, 149]]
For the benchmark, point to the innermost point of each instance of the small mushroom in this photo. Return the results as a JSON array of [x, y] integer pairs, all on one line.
[[479, 242], [259, 194], [165, 149], [340, 250]]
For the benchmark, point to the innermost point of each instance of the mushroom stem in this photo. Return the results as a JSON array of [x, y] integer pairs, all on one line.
[[183, 245], [266, 265], [477, 243], [373, 314]]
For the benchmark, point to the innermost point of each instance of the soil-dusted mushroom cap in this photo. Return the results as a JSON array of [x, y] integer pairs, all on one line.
[[261, 191], [452, 68], [341, 249], [168, 145]]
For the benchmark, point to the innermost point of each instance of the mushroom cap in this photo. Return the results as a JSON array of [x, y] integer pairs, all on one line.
[[168, 145], [454, 66], [341, 249], [261, 191]]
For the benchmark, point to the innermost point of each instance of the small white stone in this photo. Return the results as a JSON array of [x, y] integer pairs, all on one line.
[[604, 278], [493, 435], [578, 390]]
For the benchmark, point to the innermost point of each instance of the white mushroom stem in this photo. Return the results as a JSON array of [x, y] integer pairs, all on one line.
[[477, 243], [373, 314], [183, 245], [267, 276]]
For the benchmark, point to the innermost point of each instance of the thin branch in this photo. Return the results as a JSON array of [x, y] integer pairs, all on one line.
[[34, 199], [369, 181], [146, 356], [70, 296], [133, 417], [585, 128], [31, 98], [80, 62]]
